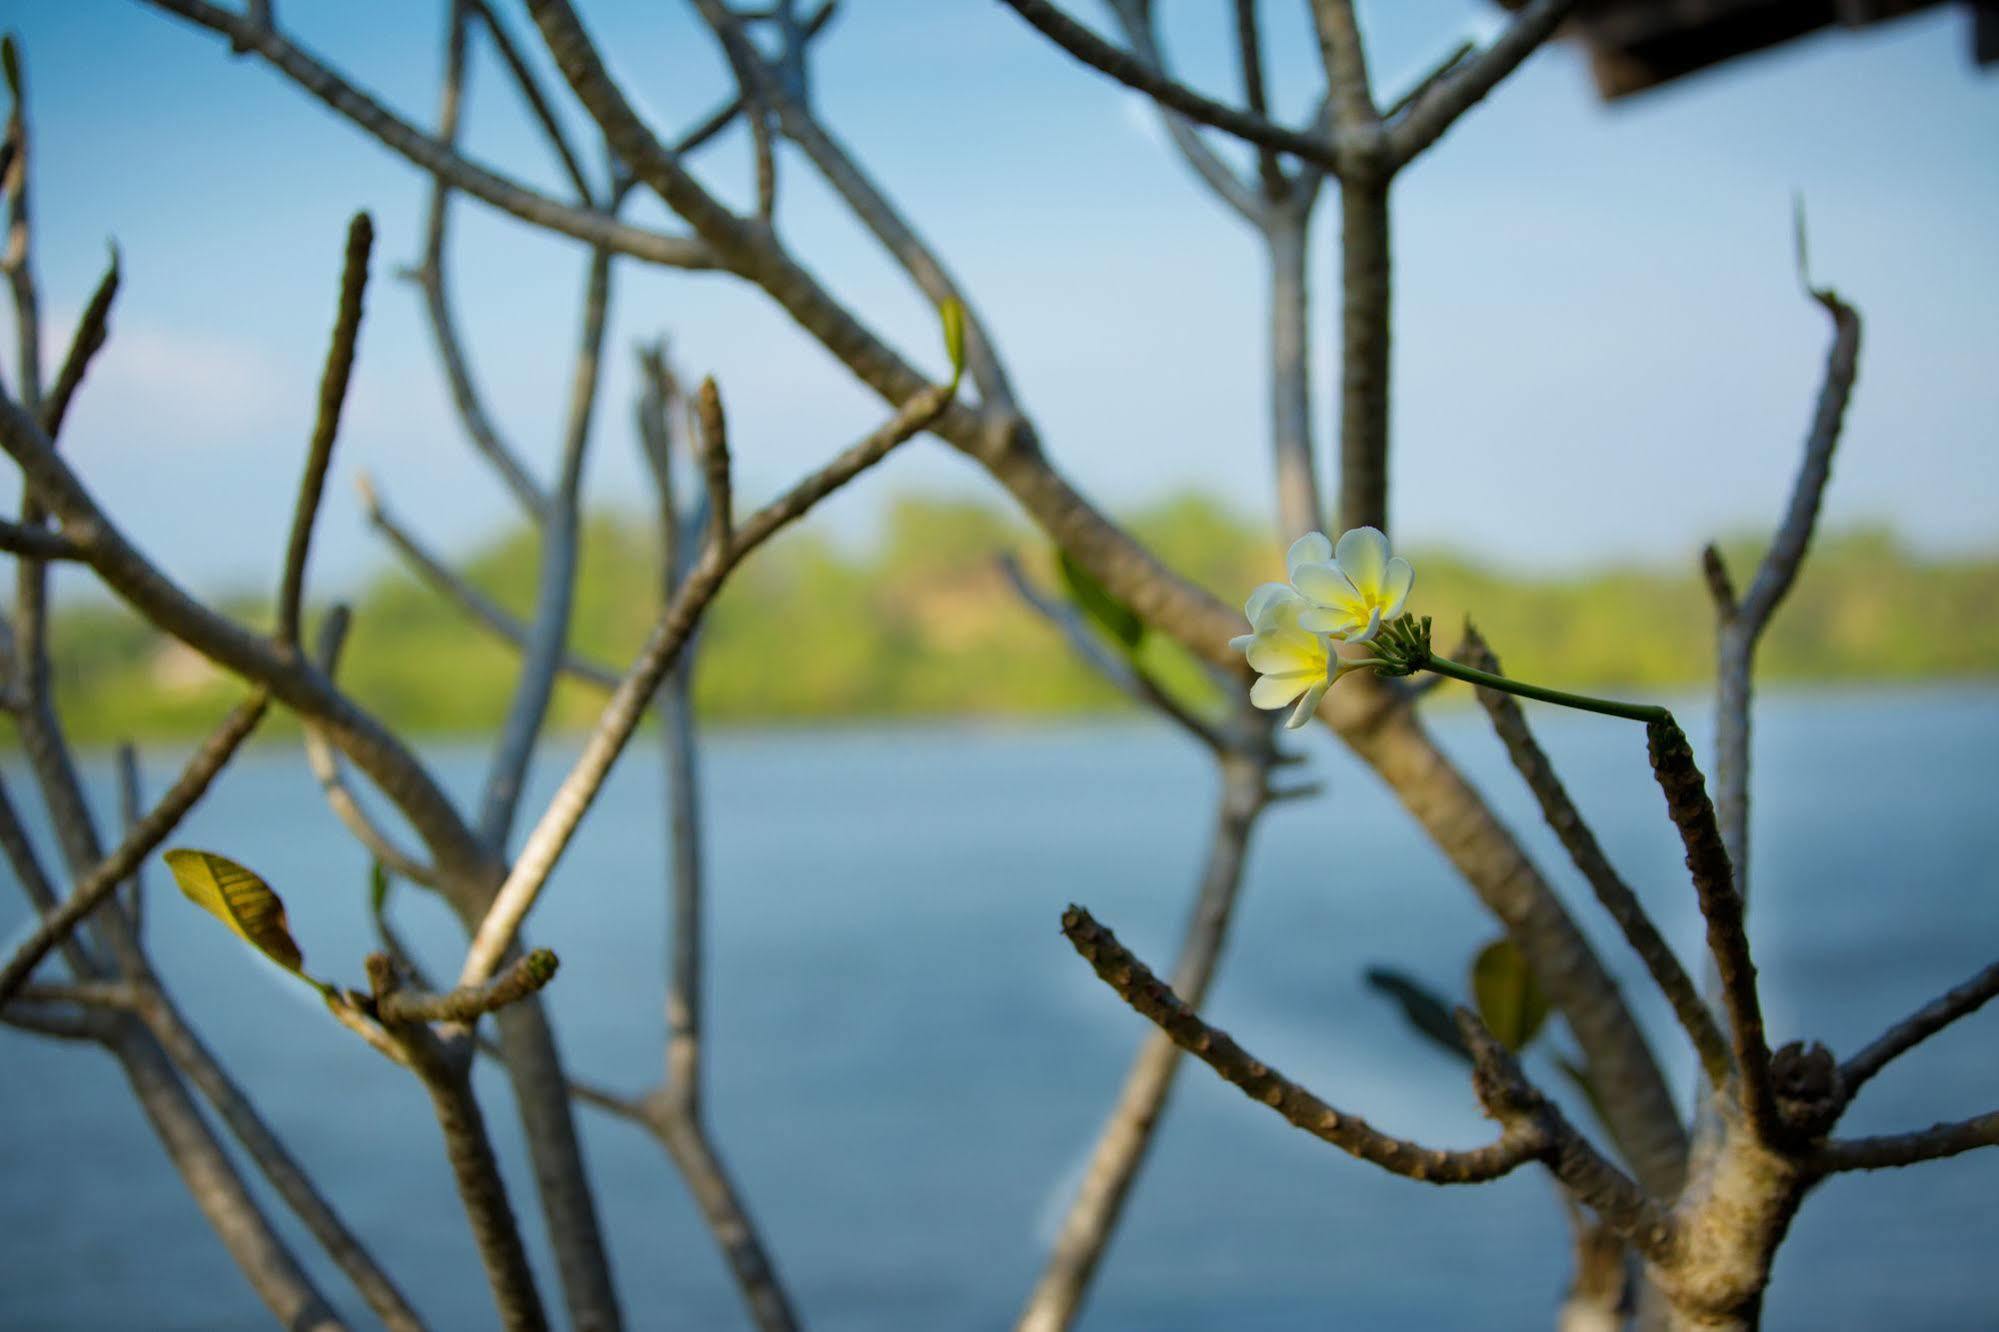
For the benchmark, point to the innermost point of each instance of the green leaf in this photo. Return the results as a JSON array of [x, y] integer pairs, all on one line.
[[1509, 1001], [378, 887], [10, 59], [1427, 1013], [953, 315], [1111, 615], [239, 899]]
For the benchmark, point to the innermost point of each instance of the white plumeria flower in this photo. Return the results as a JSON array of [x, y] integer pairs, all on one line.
[[1291, 662], [1353, 587]]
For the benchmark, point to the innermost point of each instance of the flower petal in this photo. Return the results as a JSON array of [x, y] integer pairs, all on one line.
[[1307, 705], [1274, 691], [1328, 620], [1288, 652], [1401, 576], [1363, 556], [1312, 548], [1241, 642], [1326, 584], [1373, 627], [1264, 598]]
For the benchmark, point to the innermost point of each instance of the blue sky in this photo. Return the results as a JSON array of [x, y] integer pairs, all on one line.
[[1600, 354]]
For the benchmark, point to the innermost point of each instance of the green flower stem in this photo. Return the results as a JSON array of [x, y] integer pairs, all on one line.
[[1642, 712]]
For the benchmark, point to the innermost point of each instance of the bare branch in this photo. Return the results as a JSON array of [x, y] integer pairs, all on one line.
[[543, 653], [325, 764], [1249, 58], [1156, 1002], [1436, 110], [1345, 58], [1720, 587], [1120, 672], [332, 396], [1616, 896], [469, 1003], [41, 894], [1135, 18], [621, 716], [37, 542], [200, 1066], [1508, 1097], [537, 101], [54, 1022], [713, 437], [92, 889], [481, 609], [1721, 906], [446, 1074], [132, 808], [718, 120], [16, 260], [84, 345], [142, 586], [1904, 1149], [1440, 71], [1133, 72], [403, 138], [1779, 568], [839, 169], [1919, 1026], [1129, 1130], [434, 283]]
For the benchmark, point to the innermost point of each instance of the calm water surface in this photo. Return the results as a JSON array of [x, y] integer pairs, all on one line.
[[908, 1062]]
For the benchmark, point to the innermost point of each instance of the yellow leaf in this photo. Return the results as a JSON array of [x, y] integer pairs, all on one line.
[[240, 900]]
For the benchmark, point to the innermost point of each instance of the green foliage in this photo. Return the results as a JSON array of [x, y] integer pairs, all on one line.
[[241, 900], [1109, 614], [1510, 1003], [919, 623], [1428, 1014]]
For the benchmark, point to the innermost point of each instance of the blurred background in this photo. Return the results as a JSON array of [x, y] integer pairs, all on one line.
[[1602, 361]]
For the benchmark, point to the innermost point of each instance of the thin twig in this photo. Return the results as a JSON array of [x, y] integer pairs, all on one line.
[[1133, 1123], [1960, 1001], [34, 881], [1120, 672], [16, 261], [84, 345], [425, 152], [326, 427], [555, 592], [1721, 906], [93, 888], [469, 1003], [292, 1184], [713, 437], [719, 119], [433, 282], [1438, 108], [1155, 1001], [325, 764], [480, 608], [1905, 1149], [621, 716], [1133, 72], [132, 808], [1249, 59], [40, 543], [1584, 850], [1135, 17], [538, 103]]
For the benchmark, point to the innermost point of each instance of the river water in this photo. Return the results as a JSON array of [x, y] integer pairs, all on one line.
[[907, 1062]]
